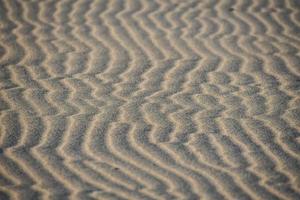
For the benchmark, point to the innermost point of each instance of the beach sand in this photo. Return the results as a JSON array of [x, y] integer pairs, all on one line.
[[150, 99]]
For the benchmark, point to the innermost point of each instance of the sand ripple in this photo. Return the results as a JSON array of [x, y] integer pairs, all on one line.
[[115, 99]]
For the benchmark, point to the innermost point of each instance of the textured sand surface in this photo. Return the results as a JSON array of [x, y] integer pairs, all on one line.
[[150, 99]]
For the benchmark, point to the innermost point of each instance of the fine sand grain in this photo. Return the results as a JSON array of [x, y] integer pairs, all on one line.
[[150, 99]]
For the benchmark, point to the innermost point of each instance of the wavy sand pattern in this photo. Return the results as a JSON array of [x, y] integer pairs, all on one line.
[[150, 99]]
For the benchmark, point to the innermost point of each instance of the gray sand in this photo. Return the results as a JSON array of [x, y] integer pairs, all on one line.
[[150, 99]]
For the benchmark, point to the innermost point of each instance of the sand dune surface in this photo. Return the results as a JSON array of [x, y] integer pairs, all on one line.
[[150, 99]]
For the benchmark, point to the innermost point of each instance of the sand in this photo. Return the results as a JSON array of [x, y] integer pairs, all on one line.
[[150, 99]]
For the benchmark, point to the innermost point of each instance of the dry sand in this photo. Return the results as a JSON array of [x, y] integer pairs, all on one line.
[[150, 99]]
